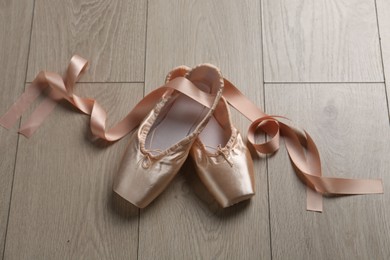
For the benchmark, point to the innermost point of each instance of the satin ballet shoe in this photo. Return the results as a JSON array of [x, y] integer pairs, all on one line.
[[160, 146], [222, 160]]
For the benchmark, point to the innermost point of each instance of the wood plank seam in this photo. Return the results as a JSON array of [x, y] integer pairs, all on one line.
[[18, 137], [265, 136], [382, 59]]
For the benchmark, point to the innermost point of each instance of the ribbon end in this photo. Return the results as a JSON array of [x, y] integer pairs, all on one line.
[[26, 132], [313, 200], [314, 209]]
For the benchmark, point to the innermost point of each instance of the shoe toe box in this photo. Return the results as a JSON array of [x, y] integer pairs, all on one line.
[[141, 178], [229, 179]]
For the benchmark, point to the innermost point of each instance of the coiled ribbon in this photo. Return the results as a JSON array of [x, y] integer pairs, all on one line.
[[300, 146]]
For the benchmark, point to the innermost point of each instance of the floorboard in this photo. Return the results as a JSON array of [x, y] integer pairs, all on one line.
[[16, 16], [185, 222], [63, 206], [383, 9], [321, 41], [349, 125], [110, 34], [325, 65]]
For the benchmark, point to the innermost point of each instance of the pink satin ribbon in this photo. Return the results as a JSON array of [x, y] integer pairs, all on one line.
[[300, 147]]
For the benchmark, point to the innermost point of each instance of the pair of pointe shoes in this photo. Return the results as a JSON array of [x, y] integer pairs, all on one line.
[[178, 127]]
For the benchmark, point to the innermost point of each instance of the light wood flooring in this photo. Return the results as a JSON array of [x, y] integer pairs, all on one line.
[[324, 64]]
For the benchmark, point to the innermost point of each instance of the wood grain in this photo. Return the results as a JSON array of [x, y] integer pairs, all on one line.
[[15, 21], [349, 124], [63, 206], [111, 34], [185, 222], [383, 11], [321, 41]]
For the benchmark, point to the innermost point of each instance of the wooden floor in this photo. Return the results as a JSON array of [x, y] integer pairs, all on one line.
[[324, 64]]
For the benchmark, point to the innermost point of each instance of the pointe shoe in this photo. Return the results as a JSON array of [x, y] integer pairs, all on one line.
[[222, 160], [160, 146]]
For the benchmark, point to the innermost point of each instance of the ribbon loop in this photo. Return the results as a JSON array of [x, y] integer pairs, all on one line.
[[76, 68], [269, 126]]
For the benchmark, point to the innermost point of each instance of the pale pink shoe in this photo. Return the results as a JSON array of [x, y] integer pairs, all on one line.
[[222, 159], [159, 147]]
